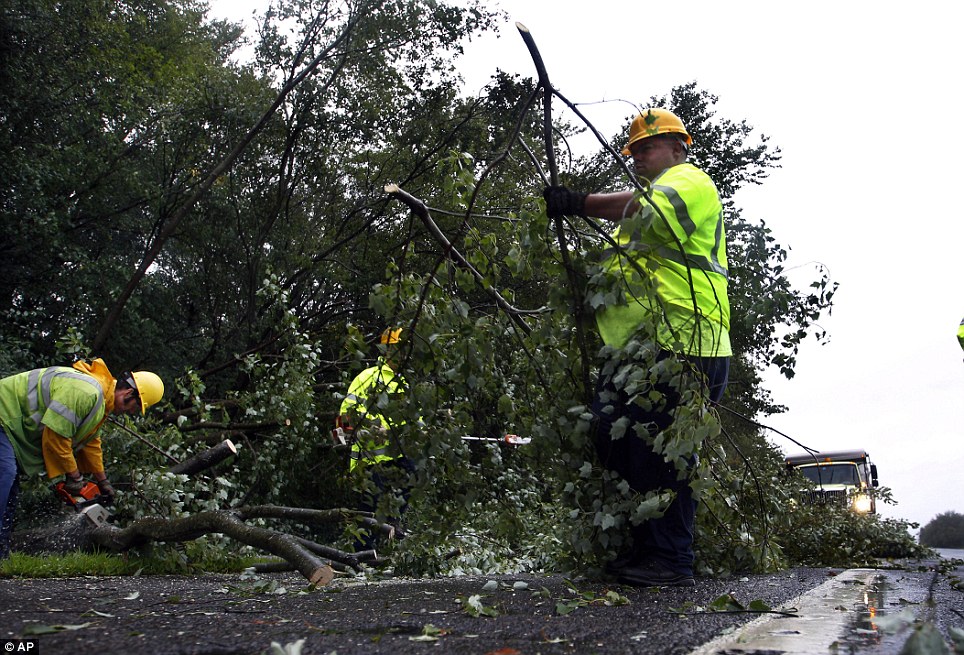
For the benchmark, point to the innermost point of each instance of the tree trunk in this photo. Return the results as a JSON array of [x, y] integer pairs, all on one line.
[[79, 533], [226, 522]]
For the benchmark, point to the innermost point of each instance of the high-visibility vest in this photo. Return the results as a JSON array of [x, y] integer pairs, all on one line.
[[67, 401], [364, 392], [691, 205], [960, 334]]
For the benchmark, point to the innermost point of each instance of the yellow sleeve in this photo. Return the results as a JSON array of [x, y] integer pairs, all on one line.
[[90, 459], [58, 453]]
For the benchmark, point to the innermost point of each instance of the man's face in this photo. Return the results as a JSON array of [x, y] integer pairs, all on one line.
[[653, 155], [126, 401]]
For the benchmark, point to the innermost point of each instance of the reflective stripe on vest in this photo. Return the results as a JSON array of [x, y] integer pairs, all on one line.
[[38, 389], [674, 255], [676, 239], [357, 452]]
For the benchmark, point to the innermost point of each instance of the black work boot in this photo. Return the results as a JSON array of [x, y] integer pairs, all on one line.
[[654, 574], [616, 566]]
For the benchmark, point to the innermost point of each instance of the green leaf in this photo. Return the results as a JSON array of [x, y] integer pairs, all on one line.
[[758, 605], [726, 603], [925, 640], [31, 630]]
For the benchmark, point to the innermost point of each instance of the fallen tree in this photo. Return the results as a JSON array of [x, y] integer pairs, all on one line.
[[302, 554], [315, 561]]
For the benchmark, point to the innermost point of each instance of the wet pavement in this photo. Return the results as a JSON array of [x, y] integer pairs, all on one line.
[[913, 609], [864, 611]]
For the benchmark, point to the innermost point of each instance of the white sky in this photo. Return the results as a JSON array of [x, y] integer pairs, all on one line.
[[863, 99]]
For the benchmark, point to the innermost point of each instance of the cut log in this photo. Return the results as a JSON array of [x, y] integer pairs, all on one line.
[[205, 459]]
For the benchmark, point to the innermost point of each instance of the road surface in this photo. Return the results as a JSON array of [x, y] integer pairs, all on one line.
[[820, 611]]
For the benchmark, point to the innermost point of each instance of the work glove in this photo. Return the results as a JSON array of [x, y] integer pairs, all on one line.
[[106, 490], [560, 202], [73, 486]]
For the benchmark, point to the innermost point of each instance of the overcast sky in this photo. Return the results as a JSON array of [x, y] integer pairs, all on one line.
[[863, 99]]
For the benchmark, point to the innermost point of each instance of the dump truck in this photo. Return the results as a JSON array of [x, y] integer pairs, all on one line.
[[843, 478]]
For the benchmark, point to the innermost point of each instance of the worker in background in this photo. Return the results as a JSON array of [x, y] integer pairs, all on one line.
[[960, 334], [685, 256], [373, 447], [50, 420]]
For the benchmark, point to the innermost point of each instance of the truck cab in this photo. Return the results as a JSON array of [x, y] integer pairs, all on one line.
[[842, 477]]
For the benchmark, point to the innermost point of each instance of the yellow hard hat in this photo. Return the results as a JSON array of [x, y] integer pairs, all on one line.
[[149, 386], [653, 121], [391, 336]]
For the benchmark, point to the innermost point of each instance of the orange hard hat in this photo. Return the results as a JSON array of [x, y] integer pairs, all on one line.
[[653, 121], [391, 336]]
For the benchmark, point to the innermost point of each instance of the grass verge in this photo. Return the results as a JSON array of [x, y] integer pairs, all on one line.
[[19, 565]]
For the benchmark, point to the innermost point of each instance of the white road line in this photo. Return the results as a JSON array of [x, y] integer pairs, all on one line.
[[823, 613]]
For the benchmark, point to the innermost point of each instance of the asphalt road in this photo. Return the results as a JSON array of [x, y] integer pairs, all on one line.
[[526, 615]]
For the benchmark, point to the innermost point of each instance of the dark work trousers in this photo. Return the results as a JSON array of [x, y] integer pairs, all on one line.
[[384, 481], [9, 492], [667, 540]]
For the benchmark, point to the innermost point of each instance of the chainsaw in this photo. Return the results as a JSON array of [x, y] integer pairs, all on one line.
[[343, 432], [511, 439], [89, 502]]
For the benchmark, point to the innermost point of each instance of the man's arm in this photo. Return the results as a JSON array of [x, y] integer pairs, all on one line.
[[611, 206], [560, 201], [58, 454], [90, 459]]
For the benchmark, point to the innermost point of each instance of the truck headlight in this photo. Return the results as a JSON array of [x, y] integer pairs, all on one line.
[[862, 503]]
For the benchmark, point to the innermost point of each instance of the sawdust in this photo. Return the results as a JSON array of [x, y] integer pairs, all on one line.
[[64, 534]]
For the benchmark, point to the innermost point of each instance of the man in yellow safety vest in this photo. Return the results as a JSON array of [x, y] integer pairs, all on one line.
[[359, 409], [50, 420], [373, 447], [960, 334], [670, 257]]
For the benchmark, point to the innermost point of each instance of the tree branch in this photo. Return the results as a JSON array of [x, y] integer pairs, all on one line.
[[205, 459], [224, 522], [576, 286], [419, 209]]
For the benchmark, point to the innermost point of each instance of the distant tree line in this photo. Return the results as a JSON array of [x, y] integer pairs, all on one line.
[[944, 531]]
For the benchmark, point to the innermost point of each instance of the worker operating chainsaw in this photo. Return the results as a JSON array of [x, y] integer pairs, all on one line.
[[671, 264], [50, 419]]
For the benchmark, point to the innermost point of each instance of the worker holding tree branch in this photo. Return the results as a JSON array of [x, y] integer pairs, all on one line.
[[50, 420], [372, 448], [668, 255]]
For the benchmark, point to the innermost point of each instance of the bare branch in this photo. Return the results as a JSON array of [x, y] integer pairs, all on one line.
[[224, 522], [419, 209], [576, 285], [300, 553]]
